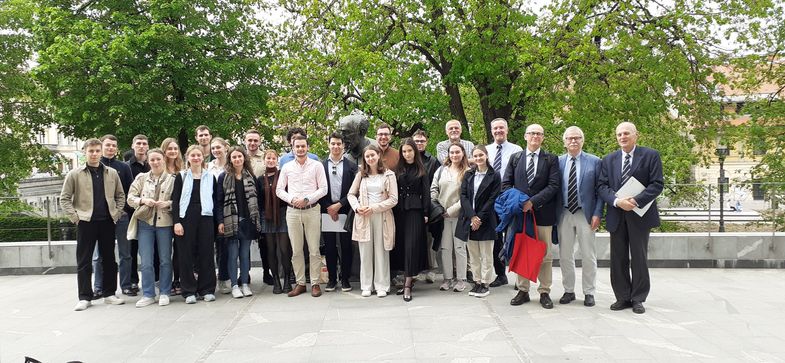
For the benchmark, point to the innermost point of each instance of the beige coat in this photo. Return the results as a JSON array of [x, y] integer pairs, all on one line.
[[446, 188], [76, 198], [358, 196], [144, 187]]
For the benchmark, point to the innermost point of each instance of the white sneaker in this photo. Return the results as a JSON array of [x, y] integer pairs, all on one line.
[[225, 286], [236, 292], [113, 300], [366, 293], [163, 300], [445, 285], [246, 290], [460, 286], [209, 297], [145, 301], [191, 299], [381, 293], [82, 305]]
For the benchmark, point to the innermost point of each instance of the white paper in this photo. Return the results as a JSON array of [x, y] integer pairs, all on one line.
[[329, 225], [632, 188]]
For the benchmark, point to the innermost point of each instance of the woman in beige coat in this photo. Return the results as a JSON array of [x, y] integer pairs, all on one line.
[[372, 196], [151, 196]]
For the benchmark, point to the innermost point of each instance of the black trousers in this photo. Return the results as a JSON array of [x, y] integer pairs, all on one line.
[[197, 240], [87, 235], [134, 261], [629, 251], [331, 240]]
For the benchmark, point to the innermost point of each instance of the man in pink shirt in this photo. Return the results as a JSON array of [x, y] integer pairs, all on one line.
[[301, 185]]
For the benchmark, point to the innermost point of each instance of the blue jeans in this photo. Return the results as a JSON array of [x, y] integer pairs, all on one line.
[[123, 250], [149, 237], [239, 248]]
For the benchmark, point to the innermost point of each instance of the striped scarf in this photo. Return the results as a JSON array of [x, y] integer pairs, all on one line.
[[231, 219]]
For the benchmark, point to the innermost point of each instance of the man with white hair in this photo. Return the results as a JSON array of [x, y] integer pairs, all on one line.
[[578, 212], [499, 153], [453, 130]]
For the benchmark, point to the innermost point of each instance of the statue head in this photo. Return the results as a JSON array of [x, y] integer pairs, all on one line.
[[354, 127]]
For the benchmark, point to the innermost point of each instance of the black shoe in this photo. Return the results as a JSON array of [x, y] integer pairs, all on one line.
[[483, 291], [588, 300], [500, 280], [287, 286], [277, 289], [98, 294], [545, 301], [331, 286], [522, 297], [346, 286], [621, 305], [474, 289], [567, 297], [267, 279], [638, 308], [129, 292], [135, 287]]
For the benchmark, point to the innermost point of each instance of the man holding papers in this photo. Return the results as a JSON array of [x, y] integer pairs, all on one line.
[[630, 181]]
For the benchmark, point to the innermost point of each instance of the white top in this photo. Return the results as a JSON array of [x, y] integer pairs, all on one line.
[[375, 187], [508, 149]]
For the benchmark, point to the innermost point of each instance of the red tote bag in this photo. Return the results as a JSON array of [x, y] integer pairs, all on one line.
[[528, 253]]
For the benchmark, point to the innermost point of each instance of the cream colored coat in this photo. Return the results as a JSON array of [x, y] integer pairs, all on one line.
[[76, 198], [358, 196], [144, 187]]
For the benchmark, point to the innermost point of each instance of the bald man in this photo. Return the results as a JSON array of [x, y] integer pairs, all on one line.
[[630, 231]]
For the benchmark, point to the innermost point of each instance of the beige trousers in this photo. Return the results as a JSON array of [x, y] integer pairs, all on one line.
[[481, 260], [374, 259], [308, 223]]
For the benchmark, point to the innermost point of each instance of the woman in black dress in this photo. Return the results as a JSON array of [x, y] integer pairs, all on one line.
[[411, 215]]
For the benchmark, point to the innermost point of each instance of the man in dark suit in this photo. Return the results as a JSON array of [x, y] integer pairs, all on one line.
[[537, 175], [630, 231], [340, 173], [578, 212]]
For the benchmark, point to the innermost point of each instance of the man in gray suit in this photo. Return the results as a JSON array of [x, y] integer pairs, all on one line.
[[579, 211]]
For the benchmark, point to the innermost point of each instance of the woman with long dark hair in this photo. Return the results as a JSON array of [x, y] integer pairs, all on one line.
[[372, 196], [239, 217], [411, 215]]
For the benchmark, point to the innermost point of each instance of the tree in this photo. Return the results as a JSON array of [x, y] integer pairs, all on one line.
[[592, 64], [158, 67], [22, 115]]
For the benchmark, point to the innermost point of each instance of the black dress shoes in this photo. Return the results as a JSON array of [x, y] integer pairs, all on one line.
[[522, 297], [500, 280], [588, 300], [638, 308], [567, 297], [545, 301], [621, 305]]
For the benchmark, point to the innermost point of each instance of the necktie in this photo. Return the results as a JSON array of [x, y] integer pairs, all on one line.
[[625, 169], [572, 189], [530, 168], [497, 161]]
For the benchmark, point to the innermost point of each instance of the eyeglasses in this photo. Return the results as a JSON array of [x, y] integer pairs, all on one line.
[[382, 134], [535, 133], [420, 141]]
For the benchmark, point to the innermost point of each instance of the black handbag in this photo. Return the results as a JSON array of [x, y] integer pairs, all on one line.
[[437, 212], [349, 225]]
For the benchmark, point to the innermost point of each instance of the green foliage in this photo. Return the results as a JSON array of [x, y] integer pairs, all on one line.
[[158, 67], [22, 114], [16, 228]]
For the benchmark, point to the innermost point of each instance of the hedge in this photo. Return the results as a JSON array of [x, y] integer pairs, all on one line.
[[26, 228]]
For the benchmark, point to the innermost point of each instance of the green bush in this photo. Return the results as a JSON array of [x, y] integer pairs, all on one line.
[[26, 228]]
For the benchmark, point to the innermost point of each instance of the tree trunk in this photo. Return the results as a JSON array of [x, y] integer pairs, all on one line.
[[456, 104], [491, 112]]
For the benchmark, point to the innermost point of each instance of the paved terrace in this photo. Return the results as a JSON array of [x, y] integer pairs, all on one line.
[[693, 315]]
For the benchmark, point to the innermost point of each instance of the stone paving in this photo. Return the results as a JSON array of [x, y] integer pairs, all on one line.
[[693, 315]]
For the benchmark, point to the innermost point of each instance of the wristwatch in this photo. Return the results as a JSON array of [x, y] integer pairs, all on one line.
[[306, 201]]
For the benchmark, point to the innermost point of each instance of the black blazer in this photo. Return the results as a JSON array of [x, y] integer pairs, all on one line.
[[349, 171], [647, 168], [546, 184], [484, 200]]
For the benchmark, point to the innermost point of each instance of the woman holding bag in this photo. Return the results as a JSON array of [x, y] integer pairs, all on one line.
[[238, 217], [477, 221], [151, 224], [372, 196]]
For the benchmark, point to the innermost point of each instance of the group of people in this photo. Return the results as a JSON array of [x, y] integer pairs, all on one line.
[[409, 212]]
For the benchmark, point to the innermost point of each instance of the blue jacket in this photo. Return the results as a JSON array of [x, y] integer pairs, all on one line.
[[509, 207]]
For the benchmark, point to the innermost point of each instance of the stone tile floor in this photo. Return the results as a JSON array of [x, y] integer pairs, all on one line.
[[693, 315]]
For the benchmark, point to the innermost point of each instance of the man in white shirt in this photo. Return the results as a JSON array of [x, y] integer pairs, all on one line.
[[301, 184], [499, 153]]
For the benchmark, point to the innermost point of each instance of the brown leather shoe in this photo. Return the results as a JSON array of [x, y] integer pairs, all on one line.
[[298, 289], [316, 291]]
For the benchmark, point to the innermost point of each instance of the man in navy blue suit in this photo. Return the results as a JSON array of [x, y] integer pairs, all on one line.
[[578, 212], [340, 173], [537, 175], [629, 231]]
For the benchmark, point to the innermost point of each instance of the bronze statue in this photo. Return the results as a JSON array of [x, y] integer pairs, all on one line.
[[354, 127]]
